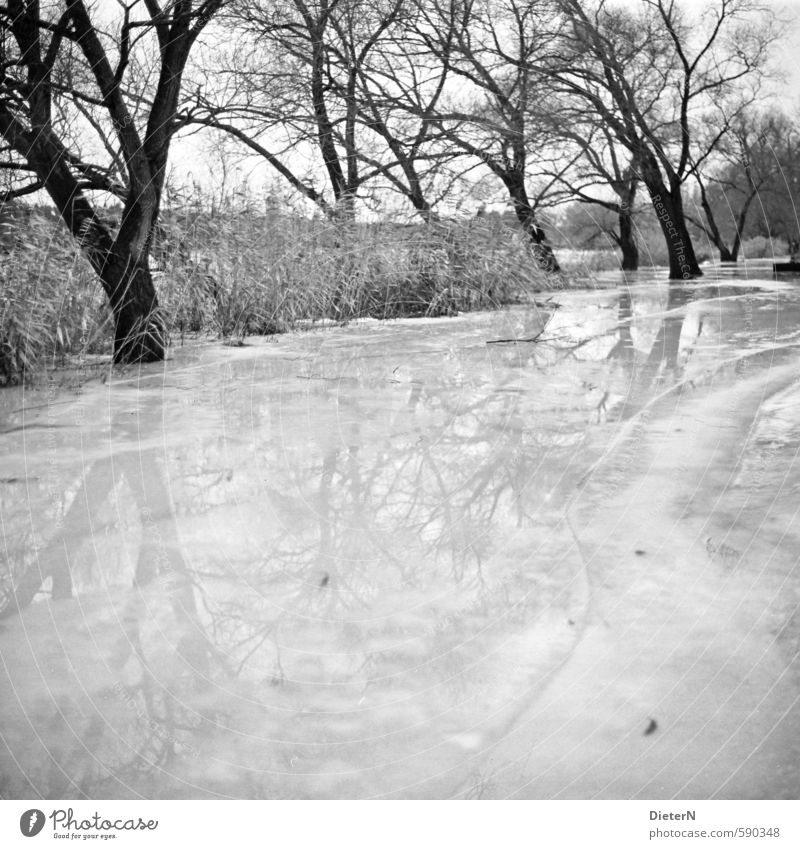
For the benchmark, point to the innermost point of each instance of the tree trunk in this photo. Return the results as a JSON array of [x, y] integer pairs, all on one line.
[[121, 263], [139, 335], [418, 199], [741, 220], [737, 244], [725, 254], [123, 266], [545, 257], [326, 138], [668, 206], [543, 253], [627, 241]]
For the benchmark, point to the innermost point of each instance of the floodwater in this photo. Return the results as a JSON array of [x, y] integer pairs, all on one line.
[[411, 560]]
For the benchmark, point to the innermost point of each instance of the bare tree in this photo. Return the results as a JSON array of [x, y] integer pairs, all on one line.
[[490, 48], [779, 197], [649, 76], [315, 88], [301, 37], [399, 88], [746, 163], [603, 164], [60, 55]]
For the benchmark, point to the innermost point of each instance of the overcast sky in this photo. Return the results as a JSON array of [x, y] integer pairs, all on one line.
[[790, 50], [193, 158]]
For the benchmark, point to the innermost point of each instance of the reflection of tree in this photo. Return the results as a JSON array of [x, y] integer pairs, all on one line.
[[382, 543], [661, 364], [152, 719], [645, 348], [344, 564]]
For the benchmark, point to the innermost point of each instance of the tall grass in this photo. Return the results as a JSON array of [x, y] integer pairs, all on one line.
[[242, 274], [234, 272], [50, 305]]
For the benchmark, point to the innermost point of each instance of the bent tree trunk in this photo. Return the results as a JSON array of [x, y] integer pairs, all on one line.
[[139, 328], [122, 264], [542, 252], [32, 41], [139, 332], [668, 206]]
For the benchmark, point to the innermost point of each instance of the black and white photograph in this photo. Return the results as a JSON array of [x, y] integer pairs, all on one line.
[[399, 400]]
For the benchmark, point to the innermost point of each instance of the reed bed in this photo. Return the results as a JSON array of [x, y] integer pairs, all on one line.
[[234, 273]]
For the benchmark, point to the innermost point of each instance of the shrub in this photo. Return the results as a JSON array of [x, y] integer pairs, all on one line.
[[760, 247]]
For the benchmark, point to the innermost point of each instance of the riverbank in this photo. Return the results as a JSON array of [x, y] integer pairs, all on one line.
[[232, 276]]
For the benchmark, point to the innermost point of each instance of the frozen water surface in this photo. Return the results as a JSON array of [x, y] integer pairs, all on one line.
[[394, 560]]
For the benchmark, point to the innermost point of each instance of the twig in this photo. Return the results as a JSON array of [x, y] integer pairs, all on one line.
[[500, 341]]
